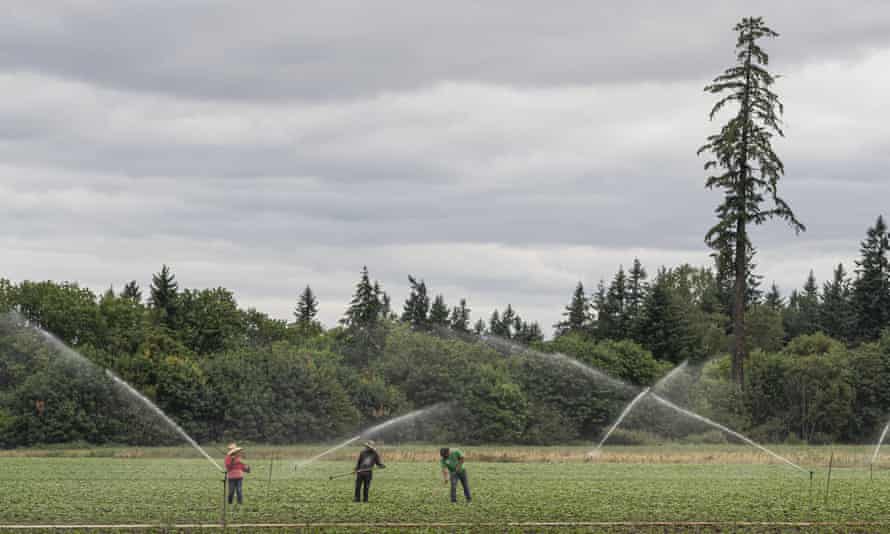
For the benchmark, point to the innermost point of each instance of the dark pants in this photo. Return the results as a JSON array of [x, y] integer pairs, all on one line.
[[362, 485], [235, 487], [462, 476]]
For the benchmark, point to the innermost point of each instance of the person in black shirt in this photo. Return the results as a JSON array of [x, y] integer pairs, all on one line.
[[367, 459]]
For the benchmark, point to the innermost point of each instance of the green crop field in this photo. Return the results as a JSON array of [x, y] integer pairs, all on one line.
[[148, 488]]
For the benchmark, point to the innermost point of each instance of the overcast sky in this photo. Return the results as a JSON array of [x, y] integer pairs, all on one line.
[[502, 151]]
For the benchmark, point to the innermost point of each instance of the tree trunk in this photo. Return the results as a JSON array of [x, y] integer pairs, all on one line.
[[739, 350]]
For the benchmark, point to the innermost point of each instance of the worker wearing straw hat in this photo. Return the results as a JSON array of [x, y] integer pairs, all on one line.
[[235, 470], [364, 467]]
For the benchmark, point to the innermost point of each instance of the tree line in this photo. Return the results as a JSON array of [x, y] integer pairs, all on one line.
[[816, 371]]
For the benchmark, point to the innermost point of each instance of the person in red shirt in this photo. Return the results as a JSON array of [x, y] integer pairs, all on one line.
[[235, 470]]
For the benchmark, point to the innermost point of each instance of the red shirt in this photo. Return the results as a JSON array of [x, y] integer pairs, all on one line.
[[235, 467]]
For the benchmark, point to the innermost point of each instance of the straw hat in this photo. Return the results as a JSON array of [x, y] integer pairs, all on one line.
[[234, 450], [370, 444]]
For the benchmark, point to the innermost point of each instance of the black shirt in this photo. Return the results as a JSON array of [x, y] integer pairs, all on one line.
[[367, 459]]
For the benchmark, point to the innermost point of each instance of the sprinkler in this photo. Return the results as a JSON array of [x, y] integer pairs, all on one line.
[[828, 480], [811, 491], [224, 500]]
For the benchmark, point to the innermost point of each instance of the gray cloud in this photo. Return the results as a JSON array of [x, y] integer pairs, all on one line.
[[500, 152], [279, 49]]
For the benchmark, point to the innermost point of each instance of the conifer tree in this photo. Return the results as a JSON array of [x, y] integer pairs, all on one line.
[[665, 329], [576, 314], [307, 308], [749, 167], [439, 312], [836, 315], [131, 291], [417, 306], [871, 290], [164, 294], [365, 308], [808, 306], [613, 321], [636, 291], [460, 317], [601, 320]]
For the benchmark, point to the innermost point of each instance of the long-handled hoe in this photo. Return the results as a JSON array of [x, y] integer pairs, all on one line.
[[341, 475]]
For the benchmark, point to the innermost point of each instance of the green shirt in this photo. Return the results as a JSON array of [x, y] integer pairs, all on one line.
[[450, 463]]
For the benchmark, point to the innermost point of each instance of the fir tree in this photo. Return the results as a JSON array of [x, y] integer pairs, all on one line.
[[576, 314], [439, 312], [613, 321], [665, 328], [601, 321], [132, 291], [417, 306], [460, 317], [164, 294], [836, 314], [750, 168], [636, 291], [808, 306], [871, 290], [365, 308], [307, 308]]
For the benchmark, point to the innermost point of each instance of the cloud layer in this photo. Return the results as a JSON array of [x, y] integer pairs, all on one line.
[[500, 152]]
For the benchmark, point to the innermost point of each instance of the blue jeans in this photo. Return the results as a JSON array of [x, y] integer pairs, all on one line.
[[235, 487], [462, 476]]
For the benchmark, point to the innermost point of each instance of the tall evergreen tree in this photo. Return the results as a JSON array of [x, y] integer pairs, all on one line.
[[601, 321], [636, 290], [871, 290], [163, 294], [576, 314], [808, 306], [131, 291], [307, 308], [439, 312], [460, 317], [750, 168], [613, 321], [836, 314], [665, 328], [365, 308], [417, 306]]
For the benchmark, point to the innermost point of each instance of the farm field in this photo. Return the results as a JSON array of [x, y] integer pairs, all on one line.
[[527, 485]]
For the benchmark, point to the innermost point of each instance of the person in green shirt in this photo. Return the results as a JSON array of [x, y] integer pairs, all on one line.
[[453, 468]]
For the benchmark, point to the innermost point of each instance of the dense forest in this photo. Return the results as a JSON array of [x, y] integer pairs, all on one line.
[[817, 371]]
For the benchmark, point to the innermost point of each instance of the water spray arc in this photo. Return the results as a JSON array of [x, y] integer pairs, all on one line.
[[18, 323], [703, 419], [874, 456], [624, 413], [411, 416], [160, 413], [630, 406], [513, 348]]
